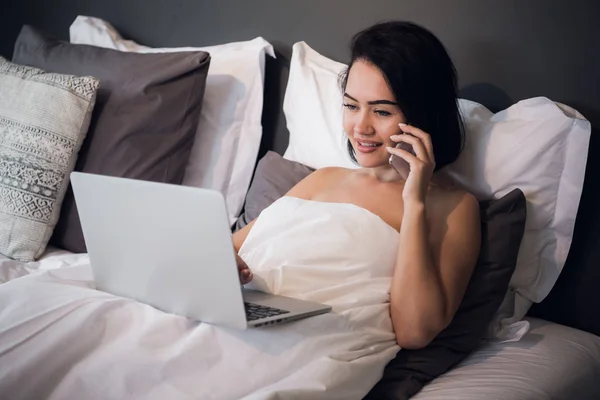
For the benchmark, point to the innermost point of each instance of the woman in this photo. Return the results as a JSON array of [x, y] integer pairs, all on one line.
[[400, 87]]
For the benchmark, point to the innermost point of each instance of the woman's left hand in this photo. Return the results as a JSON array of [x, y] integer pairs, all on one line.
[[422, 164]]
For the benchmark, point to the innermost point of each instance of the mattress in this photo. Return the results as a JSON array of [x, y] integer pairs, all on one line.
[[551, 362]]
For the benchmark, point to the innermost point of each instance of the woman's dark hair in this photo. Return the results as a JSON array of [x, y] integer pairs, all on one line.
[[422, 78]]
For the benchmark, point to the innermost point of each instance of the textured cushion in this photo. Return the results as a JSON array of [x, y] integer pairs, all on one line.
[[44, 118], [503, 225], [145, 117]]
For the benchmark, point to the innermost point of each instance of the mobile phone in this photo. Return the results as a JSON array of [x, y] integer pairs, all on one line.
[[400, 165]]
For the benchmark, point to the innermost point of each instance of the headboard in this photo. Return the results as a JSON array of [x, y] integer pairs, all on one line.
[[504, 51]]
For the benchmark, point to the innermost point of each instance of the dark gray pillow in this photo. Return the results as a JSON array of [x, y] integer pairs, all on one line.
[[145, 117], [502, 224], [273, 178]]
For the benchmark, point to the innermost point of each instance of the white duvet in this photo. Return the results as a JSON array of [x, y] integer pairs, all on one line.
[[61, 339]]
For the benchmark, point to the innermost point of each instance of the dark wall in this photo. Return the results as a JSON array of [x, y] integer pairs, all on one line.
[[504, 50]]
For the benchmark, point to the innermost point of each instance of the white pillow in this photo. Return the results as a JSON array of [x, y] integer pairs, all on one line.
[[229, 132], [536, 145], [313, 110]]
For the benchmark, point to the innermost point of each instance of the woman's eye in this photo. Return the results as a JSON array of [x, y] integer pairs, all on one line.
[[383, 113], [351, 107]]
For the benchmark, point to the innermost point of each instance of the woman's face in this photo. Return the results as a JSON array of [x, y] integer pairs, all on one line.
[[371, 114]]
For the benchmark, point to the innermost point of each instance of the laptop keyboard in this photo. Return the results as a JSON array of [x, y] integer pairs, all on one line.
[[255, 311]]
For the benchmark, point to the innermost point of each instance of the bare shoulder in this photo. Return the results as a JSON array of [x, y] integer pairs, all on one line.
[[450, 200], [317, 180], [452, 208]]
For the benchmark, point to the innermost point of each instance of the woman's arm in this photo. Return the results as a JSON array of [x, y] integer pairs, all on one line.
[[238, 239], [436, 253], [240, 236], [432, 270]]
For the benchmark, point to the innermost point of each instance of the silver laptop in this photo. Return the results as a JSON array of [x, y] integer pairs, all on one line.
[[171, 247]]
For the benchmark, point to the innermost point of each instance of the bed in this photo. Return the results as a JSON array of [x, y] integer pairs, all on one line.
[[551, 361], [559, 355]]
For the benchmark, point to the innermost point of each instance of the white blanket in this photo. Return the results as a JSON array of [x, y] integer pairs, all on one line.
[[52, 259], [61, 339]]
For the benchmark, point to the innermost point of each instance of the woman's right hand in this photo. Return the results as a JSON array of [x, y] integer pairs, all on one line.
[[245, 273]]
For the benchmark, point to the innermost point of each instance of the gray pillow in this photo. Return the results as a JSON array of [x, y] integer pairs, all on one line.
[[145, 118], [502, 227], [44, 118], [273, 178]]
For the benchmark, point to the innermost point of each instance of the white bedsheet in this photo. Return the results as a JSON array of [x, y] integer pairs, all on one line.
[[52, 258], [61, 339]]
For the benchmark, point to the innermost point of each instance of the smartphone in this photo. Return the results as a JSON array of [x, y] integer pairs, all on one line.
[[400, 165]]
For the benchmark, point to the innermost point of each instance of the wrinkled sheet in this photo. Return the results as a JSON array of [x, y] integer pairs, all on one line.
[[52, 258]]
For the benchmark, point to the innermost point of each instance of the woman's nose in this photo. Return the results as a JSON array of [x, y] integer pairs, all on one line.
[[362, 125]]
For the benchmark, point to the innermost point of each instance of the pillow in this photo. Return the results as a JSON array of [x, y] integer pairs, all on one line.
[[145, 116], [575, 299], [502, 223], [44, 118], [541, 147], [536, 145], [228, 135], [273, 178]]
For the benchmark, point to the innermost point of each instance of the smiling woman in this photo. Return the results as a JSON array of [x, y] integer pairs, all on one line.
[[399, 73]]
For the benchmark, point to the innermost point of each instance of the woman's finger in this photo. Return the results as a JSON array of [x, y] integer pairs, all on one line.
[[416, 143], [245, 272], [246, 276], [424, 136], [240, 263]]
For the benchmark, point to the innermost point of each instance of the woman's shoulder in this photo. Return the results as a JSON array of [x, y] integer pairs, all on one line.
[[327, 174], [452, 211], [446, 188], [449, 199], [316, 181]]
